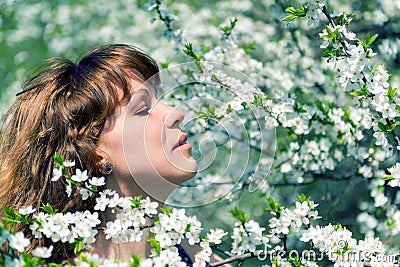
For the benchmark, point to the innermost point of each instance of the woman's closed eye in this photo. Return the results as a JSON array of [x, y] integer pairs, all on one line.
[[143, 111], [141, 103]]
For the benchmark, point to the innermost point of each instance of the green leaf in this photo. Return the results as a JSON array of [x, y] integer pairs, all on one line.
[[164, 65], [303, 198], [136, 201], [387, 127], [227, 30], [190, 52], [188, 226], [155, 245], [211, 110], [338, 227], [361, 92], [390, 222], [14, 217], [228, 109], [247, 48], [382, 126], [330, 54], [295, 13], [258, 100], [392, 92], [344, 18], [239, 214], [387, 178], [370, 39], [58, 159], [274, 206], [135, 261], [78, 244], [167, 211], [48, 209]]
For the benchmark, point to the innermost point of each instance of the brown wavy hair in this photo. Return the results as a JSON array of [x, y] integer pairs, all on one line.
[[62, 109]]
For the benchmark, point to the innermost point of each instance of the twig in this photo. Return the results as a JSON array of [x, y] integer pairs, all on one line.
[[11, 255], [342, 43], [345, 50], [239, 258]]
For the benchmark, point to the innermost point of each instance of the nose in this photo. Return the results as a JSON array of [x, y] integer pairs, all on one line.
[[172, 116]]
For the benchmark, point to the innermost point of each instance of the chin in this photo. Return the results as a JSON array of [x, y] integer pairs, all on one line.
[[185, 174]]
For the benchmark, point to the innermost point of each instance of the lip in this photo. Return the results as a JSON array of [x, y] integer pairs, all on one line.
[[181, 143]]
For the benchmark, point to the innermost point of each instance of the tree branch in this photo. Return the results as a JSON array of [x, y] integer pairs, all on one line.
[[239, 258]]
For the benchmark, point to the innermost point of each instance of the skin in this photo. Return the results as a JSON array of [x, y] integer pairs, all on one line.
[[142, 141]]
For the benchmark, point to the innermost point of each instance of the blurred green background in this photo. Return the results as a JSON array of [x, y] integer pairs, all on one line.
[[32, 31]]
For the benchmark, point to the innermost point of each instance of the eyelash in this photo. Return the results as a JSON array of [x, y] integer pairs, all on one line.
[[143, 112]]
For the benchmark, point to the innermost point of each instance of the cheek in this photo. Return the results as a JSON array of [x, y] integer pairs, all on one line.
[[142, 147], [111, 144], [154, 139]]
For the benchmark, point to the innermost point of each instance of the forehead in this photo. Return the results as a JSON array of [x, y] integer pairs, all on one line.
[[135, 83]]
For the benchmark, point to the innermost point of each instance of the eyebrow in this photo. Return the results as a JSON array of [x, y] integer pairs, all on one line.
[[139, 94]]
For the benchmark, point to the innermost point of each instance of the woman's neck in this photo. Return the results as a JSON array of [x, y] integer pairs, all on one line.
[[158, 189]]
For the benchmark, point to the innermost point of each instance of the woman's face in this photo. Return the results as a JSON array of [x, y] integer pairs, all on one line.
[[143, 140]]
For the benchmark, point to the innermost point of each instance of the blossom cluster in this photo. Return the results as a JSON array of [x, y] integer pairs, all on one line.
[[321, 133], [247, 236], [66, 228], [172, 225], [286, 219], [368, 82], [342, 249]]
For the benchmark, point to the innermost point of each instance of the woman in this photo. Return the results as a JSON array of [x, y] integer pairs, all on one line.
[[101, 114]]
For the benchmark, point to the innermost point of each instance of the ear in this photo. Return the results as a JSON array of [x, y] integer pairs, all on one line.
[[101, 159]]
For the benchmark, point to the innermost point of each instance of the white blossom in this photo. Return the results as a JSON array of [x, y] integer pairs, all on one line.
[[79, 176], [42, 252], [18, 241]]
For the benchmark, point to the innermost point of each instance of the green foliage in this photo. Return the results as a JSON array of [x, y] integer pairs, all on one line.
[[210, 114], [338, 227], [84, 258], [333, 35], [362, 92], [135, 261], [167, 210], [248, 47], [189, 51], [136, 201], [303, 198], [155, 245], [227, 30], [295, 13], [344, 18], [332, 54], [274, 206], [392, 92], [77, 245], [58, 160], [239, 215], [368, 41], [188, 226], [30, 261], [386, 127], [48, 209], [13, 217], [258, 100]]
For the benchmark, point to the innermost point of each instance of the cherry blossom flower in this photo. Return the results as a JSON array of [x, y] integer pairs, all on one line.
[[18, 241], [42, 252], [79, 176]]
